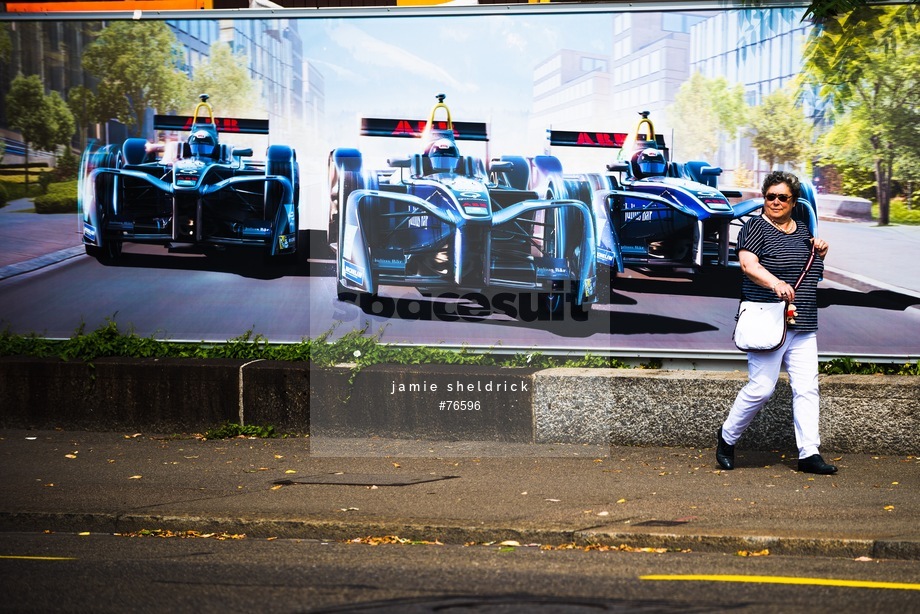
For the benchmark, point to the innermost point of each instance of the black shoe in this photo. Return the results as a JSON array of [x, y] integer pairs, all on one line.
[[816, 464], [725, 453]]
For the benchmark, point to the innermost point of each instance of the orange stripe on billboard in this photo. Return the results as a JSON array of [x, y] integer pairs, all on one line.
[[81, 6]]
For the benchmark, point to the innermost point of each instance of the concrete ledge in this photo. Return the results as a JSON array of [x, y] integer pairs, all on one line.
[[859, 414]]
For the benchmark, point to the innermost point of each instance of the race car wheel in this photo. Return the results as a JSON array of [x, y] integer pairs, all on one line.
[[344, 178], [280, 161], [106, 157], [108, 253]]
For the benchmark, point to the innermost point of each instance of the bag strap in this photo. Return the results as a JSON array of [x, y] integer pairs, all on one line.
[[811, 261]]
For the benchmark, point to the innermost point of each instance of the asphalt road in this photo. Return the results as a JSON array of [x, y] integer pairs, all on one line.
[[869, 299], [66, 572], [213, 298]]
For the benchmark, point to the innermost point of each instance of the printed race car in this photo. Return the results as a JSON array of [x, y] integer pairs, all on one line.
[[653, 212], [435, 220], [198, 192]]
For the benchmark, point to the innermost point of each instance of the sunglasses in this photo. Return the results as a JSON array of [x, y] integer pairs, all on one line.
[[782, 197]]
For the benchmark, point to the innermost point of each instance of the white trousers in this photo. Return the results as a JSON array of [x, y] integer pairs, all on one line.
[[799, 356]]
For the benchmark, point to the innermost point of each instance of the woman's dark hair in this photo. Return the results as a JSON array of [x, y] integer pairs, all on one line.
[[778, 177]]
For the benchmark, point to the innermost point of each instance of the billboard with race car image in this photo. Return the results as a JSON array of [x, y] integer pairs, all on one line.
[[554, 179]]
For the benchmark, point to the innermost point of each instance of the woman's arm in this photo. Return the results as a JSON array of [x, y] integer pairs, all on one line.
[[756, 272]]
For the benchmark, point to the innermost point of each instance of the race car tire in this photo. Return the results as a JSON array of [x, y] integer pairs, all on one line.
[[344, 176], [109, 156], [108, 254], [599, 182], [281, 160]]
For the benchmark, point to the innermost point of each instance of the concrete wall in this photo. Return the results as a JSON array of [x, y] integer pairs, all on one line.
[[859, 414]]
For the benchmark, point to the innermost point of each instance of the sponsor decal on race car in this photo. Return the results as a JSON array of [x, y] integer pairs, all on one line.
[[473, 204], [287, 241], [605, 256], [391, 264], [351, 272], [89, 232], [717, 203], [256, 232], [551, 268], [638, 216]]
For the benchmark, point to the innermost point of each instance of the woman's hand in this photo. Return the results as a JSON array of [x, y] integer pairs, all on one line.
[[821, 246], [784, 291]]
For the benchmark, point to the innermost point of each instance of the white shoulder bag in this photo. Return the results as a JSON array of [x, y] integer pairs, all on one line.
[[761, 327]]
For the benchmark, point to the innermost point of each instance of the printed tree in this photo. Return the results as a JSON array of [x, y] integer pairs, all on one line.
[[138, 64]]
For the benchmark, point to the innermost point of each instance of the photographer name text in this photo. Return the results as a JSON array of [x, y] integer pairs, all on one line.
[[458, 386]]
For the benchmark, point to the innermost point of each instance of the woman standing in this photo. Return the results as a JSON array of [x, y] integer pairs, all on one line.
[[773, 249]]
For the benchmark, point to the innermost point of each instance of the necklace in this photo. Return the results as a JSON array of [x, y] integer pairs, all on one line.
[[788, 230]]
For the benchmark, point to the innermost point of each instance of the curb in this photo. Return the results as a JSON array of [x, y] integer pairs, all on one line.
[[34, 264], [458, 535]]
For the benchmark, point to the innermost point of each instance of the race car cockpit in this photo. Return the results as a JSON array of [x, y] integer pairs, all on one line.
[[202, 143], [648, 162], [443, 156]]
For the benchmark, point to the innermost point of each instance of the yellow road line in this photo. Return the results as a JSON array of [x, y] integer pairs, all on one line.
[[786, 580], [38, 558]]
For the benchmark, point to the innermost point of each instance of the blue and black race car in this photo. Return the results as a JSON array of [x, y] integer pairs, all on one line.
[[441, 222], [655, 213], [198, 192]]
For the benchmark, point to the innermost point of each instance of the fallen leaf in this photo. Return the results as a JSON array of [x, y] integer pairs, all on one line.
[[276, 487], [290, 471], [621, 501], [889, 508], [863, 559], [135, 477], [70, 456], [509, 542], [393, 539], [603, 513], [764, 552], [553, 500], [397, 465], [84, 533], [348, 509]]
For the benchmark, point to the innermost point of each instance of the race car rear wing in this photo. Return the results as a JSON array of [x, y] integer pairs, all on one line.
[[224, 124], [413, 128], [607, 140], [568, 138]]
